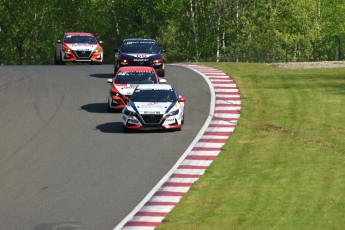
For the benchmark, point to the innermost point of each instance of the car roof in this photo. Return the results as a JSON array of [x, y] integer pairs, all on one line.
[[78, 33], [136, 68], [154, 87], [139, 40]]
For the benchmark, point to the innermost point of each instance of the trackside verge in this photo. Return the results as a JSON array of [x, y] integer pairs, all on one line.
[[224, 113]]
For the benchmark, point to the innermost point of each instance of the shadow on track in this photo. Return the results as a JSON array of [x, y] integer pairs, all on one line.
[[110, 127], [96, 108], [102, 75]]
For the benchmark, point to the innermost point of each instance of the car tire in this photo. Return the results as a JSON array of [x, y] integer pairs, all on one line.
[[60, 61], [116, 68], [96, 63], [161, 73], [56, 61], [110, 110]]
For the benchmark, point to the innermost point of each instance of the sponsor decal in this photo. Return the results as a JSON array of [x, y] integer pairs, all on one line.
[[130, 86], [140, 60], [141, 55], [153, 105], [151, 112], [139, 42]]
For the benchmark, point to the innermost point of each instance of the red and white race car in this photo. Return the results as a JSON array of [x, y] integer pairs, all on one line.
[[78, 47], [125, 81], [154, 107]]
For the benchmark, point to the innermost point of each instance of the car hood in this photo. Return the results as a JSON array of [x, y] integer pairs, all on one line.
[[125, 89], [152, 107], [82, 46]]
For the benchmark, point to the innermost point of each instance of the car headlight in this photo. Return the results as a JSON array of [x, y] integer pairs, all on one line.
[[128, 112], [158, 61], [66, 49], [123, 61], [173, 113], [98, 49]]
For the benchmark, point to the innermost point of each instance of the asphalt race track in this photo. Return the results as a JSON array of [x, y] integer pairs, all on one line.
[[65, 162]]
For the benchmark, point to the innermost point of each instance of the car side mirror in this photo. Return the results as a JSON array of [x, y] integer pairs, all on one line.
[[110, 80], [58, 41], [100, 42], [116, 50]]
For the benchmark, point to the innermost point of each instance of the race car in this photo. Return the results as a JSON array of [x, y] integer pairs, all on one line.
[[78, 47], [125, 81], [139, 52], [154, 107]]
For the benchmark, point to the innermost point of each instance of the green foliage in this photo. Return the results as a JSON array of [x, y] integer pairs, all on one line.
[[192, 30]]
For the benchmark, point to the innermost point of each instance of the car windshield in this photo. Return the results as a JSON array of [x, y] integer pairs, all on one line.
[[80, 39], [136, 77], [154, 95], [139, 47]]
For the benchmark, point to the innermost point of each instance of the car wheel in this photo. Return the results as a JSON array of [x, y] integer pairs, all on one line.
[[56, 61], [110, 110], [116, 68], [60, 61], [161, 73]]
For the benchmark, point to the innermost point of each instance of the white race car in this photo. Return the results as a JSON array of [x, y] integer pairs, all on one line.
[[78, 47], [154, 106]]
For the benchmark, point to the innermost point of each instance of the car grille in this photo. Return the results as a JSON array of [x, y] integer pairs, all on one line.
[[152, 119], [83, 54], [140, 63]]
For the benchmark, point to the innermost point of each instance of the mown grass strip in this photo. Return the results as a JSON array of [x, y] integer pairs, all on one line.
[[284, 165]]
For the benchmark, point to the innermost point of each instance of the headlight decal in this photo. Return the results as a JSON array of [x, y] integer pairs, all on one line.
[[128, 112], [173, 113], [170, 107], [132, 104]]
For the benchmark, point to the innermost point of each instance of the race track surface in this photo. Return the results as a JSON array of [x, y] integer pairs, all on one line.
[[64, 161]]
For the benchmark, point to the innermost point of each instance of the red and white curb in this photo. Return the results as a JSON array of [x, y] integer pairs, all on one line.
[[224, 113]]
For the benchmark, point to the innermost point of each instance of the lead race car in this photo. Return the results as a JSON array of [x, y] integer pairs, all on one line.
[[140, 52], [154, 107], [78, 47]]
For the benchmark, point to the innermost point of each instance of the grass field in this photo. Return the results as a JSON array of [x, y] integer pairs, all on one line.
[[284, 165]]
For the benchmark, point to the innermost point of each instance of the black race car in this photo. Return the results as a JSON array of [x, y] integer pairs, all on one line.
[[139, 52]]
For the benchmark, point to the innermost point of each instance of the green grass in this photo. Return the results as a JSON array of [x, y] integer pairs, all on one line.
[[284, 165]]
